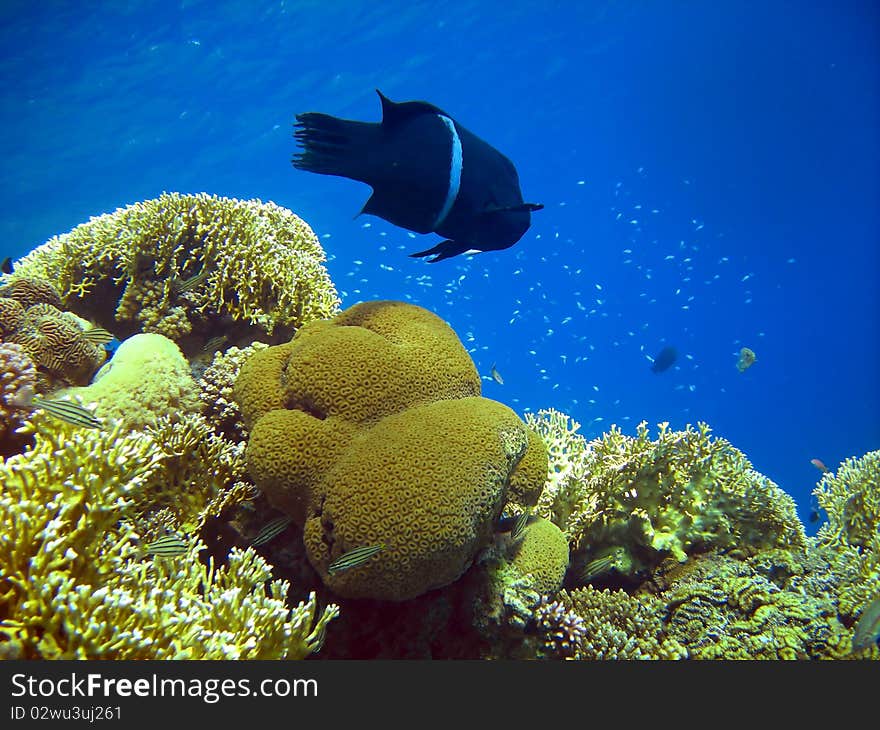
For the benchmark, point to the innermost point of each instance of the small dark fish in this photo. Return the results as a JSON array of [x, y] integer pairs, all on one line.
[[182, 287], [67, 411], [867, 630], [746, 359], [665, 359], [215, 343], [98, 336], [353, 558], [6, 266], [819, 465], [519, 527], [496, 376], [271, 530], [167, 546], [428, 173]]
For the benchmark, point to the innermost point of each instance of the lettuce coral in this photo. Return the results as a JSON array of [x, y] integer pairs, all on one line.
[[72, 584], [369, 429], [194, 265]]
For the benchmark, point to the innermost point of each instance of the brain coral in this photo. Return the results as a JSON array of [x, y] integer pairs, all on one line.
[[369, 429], [542, 553], [53, 338], [249, 262], [147, 378]]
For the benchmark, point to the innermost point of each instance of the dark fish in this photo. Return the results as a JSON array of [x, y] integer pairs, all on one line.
[[97, 336], [6, 266], [67, 411], [496, 376], [428, 173], [271, 530], [167, 546], [182, 287], [665, 359], [867, 627], [353, 558]]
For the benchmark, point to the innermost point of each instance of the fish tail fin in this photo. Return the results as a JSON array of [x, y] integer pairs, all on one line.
[[333, 146]]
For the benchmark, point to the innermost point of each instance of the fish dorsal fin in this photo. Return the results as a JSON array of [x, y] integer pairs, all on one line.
[[396, 112]]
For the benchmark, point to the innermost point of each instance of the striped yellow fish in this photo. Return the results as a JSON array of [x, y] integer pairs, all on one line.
[[353, 558], [519, 527], [67, 411], [214, 344], [271, 530], [167, 546], [181, 287], [97, 336]]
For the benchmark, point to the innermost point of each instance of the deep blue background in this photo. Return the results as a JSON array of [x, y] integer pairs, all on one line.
[[711, 172]]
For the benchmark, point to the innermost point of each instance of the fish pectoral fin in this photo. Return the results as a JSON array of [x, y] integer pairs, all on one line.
[[522, 207], [443, 250]]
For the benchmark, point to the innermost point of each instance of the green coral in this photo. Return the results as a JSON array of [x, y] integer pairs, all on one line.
[[262, 265], [71, 581], [851, 497], [542, 554], [683, 493]]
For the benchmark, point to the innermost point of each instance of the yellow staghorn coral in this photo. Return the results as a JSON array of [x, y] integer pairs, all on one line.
[[261, 265], [681, 493], [851, 497], [216, 390], [72, 585]]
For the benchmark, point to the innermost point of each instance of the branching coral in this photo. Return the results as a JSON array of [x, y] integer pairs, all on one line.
[[851, 497], [593, 624], [189, 263], [681, 493], [71, 581], [215, 390]]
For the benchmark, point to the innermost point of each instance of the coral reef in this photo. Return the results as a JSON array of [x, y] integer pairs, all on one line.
[[215, 390], [190, 267], [73, 584], [54, 339], [680, 494], [369, 430], [542, 555], [18, 380], [148, 378]]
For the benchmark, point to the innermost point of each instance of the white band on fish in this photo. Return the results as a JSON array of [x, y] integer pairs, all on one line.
[[454, 172]]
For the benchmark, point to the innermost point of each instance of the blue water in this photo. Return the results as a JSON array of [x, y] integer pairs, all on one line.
[[711, 174]]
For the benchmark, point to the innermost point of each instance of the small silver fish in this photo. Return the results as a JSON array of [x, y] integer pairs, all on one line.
[[867, 627], [97, 336], [66, 411], [167, 546], [519, 527], [353, 558], [181, 287], [271, 530], [496, 376]]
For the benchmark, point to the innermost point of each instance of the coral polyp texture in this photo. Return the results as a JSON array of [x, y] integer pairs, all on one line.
[[54, 339], [369, 430], [74, 584], [189, 266], [18, 380], [679, 494]]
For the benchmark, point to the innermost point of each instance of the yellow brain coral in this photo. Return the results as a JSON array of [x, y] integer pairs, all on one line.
[[542, 553], [182, 264], [369, 430]]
